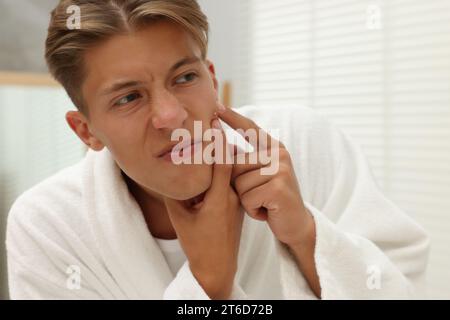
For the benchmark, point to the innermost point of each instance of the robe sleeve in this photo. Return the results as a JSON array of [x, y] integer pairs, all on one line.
[[366, 247], [42, 262], [186, 287], [38, 264], [28, 284]]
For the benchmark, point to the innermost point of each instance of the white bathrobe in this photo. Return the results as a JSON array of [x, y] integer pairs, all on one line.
[[84, 217]]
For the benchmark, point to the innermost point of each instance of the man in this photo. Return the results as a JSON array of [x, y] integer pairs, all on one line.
[[127, 222]]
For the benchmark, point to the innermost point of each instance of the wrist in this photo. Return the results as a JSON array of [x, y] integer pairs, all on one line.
[[217, 285], [307, 236]]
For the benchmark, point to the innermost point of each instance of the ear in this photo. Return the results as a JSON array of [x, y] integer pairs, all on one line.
[[212, 71], [79, 124]]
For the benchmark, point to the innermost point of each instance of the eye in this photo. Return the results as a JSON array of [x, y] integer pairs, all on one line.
[[189, 77], [127, 99]]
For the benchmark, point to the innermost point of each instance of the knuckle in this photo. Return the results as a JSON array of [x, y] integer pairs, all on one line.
[[244, 198], [235, 192], [283, 170], [277, 186], [234, 202], [284, 154], [238, 184]]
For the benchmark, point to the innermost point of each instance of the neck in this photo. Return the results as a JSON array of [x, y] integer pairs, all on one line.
[[153, 209]]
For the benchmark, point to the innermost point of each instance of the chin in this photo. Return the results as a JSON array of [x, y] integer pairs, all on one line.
[[194, 180]]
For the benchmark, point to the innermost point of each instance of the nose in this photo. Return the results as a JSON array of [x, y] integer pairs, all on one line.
[[168, 113]]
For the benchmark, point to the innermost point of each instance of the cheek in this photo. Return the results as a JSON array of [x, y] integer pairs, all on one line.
[[125, 133], [127, 147], [204, 103]]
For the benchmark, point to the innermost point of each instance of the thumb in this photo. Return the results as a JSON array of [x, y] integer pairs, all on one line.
[[176, 211], [222, 168]]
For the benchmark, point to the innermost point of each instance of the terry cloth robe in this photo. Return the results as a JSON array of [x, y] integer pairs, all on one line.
[[80, 234]]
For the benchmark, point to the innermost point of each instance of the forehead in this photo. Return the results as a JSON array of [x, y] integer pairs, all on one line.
[[151, 49]]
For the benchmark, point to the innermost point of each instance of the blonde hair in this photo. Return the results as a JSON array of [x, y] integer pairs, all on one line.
[[102, 19]]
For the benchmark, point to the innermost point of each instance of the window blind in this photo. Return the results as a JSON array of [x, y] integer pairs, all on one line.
[[378, 69]]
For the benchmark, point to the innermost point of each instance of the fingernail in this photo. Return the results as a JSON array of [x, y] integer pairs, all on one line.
[[216, 124], [221, 107]]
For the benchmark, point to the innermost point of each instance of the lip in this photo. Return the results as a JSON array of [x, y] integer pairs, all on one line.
[[182, 154], [176, 147]]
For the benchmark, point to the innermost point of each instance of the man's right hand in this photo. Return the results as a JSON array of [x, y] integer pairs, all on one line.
[[210, 235]]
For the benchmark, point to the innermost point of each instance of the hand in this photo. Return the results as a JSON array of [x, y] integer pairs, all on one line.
[[210, 235], [274, 197]]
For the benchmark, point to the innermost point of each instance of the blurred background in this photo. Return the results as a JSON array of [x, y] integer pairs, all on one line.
[[380, 69]]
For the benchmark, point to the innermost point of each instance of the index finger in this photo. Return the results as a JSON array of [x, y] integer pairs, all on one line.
[[242, 124]]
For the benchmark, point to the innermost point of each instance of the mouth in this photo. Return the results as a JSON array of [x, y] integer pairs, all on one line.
[[180, 151]]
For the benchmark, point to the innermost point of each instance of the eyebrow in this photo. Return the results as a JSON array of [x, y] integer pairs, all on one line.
[[123, 85]]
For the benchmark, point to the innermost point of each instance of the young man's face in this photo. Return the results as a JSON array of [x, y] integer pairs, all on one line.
[[136, 99]]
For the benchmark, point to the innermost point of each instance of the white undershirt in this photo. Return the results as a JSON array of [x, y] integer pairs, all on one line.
[[173, 253]]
